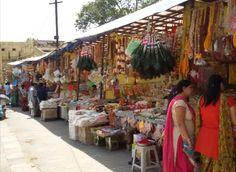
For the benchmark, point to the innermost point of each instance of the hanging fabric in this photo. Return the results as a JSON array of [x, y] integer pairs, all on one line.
[[208, 40]]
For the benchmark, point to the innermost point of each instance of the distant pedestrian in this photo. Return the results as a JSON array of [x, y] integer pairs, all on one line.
[[33, 100], [23, 98], [15, 96], [7, 89]]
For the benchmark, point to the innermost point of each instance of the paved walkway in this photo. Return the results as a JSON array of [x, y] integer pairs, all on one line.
[[31, 145], [12, 157]]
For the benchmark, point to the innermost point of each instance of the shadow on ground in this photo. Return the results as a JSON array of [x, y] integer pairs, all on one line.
[[116, 160]]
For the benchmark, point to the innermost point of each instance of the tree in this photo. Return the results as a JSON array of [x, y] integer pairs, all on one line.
[[99, 12], [145, 3]]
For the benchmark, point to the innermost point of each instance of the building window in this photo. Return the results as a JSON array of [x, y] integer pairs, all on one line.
[[3, 49], [13, 49]]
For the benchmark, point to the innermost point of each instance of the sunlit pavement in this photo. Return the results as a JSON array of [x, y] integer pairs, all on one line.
[[31, 145]]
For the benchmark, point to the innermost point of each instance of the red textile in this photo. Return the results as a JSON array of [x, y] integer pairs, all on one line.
[[208, 136], [182, 163]]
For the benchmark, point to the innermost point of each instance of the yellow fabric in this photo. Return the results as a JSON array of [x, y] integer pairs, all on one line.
[[234, 40], [227, 152], [184, 67], [208, 40]]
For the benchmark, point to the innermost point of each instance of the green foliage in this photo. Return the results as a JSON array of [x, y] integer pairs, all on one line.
[[99, 12], [145, 3]]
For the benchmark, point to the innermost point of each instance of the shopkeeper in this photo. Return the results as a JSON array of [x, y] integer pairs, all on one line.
[[42, 91]]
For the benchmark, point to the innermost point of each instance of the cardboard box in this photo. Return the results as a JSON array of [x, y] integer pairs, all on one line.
[[48, 114], [85, 135]]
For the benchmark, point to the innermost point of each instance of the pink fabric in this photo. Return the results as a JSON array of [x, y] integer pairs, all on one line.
[[182, 162]]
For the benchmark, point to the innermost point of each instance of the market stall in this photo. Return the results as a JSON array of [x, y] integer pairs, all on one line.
[[136, 66], [111, 83], [209, 42]]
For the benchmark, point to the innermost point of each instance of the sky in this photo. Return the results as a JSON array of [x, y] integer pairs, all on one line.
[[22, 19]]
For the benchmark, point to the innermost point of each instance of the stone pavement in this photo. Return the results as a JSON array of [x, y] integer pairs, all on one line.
[[31, 145], [12, 157]]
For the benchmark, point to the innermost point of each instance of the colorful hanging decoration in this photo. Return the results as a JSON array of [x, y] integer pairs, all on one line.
[[184, 66], [95, 77], [86, 62], [134, 44], [208, 40], [151, 59]]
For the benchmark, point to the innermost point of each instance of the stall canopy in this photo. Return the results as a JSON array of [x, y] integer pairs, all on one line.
[[28, 60], [16, 63], [162, 15], [163, 12]]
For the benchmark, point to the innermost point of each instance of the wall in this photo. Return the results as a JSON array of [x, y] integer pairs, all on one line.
[[12, 51]]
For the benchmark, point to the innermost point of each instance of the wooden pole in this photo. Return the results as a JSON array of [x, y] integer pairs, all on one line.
[[56, 21], [78, 84], [102, 68]]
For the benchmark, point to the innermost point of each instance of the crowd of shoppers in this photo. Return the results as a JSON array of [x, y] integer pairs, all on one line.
[[25, 95]]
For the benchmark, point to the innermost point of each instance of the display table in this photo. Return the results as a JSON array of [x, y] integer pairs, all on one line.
[[85, 135], [111, 136]]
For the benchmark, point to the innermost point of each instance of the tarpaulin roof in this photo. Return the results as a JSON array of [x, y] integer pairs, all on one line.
[[157, 8], [163, 12], [36, 58], [16, 63], [31, 59]]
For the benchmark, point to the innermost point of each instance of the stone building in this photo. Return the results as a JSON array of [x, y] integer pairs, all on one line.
[[12, 51]]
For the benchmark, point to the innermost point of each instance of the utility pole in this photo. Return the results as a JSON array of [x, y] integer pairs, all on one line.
[[136, 5], [56, 19]]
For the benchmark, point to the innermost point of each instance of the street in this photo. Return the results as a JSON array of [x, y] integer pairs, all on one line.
[[31, 145]]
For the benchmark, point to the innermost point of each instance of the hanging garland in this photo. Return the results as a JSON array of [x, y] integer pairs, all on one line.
[[151, 59]]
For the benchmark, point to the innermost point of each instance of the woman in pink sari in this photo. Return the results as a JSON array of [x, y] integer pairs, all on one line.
[[179, 129]]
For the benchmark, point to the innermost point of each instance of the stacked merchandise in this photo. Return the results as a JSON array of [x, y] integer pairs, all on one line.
[[149, 122], [88, 118], [81, 122], [73, 130], [49, 104], [49, 109]]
